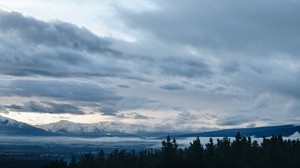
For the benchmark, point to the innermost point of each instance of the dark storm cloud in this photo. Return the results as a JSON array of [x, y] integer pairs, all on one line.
[[108, 110], [54, 34], [138, 102], [123, 86], [140, 116], [172, 86], [32, 47], [132, 102], [63, 108], [113, 108], [255, 26], [267, 77], [57, 49], [231, 52], [61, 90], [185, 67], [101, 100], [13, 106], [44, 63], [254, 45], [230, 67], [134, 115], [235, 120], [287, 86], [46, 107]]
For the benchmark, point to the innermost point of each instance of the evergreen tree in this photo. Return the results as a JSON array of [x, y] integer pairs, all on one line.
[[195, 157], [222, 152], [236, 151], [242, 152], [57, 164], [100, 160], [169, 152], [87, 161], [209, 153], [73, 163]]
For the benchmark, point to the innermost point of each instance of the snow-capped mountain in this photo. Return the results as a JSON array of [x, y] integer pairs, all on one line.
[[100, 128], [67, 128], [12, 127], [7, 122]]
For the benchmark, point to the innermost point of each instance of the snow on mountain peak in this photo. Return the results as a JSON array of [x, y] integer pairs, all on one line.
[[295, 135], [100, 127], [10, 122]]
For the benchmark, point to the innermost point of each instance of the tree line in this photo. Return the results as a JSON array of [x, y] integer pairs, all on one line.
[[241, 152]]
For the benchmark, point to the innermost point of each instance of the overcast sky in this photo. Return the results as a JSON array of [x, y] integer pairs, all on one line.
[[172, 65]]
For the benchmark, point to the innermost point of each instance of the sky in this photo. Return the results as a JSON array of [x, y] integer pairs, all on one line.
[[191, 65]]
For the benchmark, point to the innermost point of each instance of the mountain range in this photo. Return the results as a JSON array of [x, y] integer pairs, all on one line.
[[94, 129], [67, 128]]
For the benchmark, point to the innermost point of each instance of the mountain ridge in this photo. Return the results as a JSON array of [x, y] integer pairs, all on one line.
[[99, 128], [264, 131], [9, 126], [67, 128]]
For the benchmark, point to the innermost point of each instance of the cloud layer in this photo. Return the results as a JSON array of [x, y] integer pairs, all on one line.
[[200, 64], [46, 107], [252, 26]]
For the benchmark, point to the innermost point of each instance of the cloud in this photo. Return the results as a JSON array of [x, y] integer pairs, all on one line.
[[172, 86], [3, 109], [185, 67], [30, 47], [95, 97], [54, 34], [235, 120], [262, 100], [13, 106], [230, 66], [186, 118], [133, 102], [63, 108], [134, 115], [255, 26], [221, 57], [123, 86], [293, 108], [76, 91], [46, 107], [278, 75], [108, 110], [251, 125], [57, 49], [140, 116]]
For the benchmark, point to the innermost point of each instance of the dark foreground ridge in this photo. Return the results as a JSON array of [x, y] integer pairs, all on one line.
[[258, 132], [241, 152]]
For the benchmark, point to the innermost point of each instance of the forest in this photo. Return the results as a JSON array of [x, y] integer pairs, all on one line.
[[241, 152]]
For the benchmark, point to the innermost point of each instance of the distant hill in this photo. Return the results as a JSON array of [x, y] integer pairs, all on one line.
[[67, 128], [284, 130], [12, 127]]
